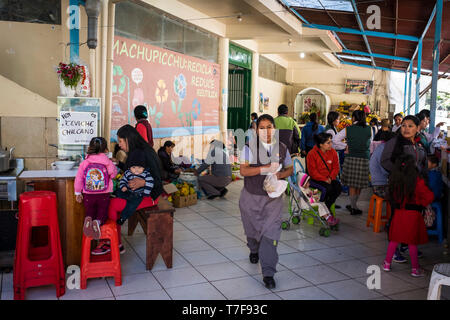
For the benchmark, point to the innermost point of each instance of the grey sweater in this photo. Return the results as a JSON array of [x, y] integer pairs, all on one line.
[[220, 165], [417, 151]]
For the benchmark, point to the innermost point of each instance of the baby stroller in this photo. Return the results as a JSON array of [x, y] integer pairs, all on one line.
[[295, 211]]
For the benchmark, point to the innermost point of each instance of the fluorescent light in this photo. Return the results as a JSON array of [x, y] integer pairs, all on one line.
[[354, 58], [302, 55]]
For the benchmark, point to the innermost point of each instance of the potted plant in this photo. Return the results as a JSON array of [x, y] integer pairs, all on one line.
[[69, 76]]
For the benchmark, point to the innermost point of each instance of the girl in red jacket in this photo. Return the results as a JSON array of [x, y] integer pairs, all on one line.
[[411, 195], [323, 168]]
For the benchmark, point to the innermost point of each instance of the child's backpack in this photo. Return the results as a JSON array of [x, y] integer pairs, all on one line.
[[96, 178]]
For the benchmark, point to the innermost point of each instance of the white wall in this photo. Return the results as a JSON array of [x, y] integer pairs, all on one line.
[[276, 92]]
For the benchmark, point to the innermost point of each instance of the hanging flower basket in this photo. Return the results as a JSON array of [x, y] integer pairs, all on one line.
[[69, 76]]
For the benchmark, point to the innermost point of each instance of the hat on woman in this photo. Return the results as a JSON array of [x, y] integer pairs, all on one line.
[[303, 178]]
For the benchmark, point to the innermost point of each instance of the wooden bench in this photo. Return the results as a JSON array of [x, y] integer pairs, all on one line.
[[157, 223]]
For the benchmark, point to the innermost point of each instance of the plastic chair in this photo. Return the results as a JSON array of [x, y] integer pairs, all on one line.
[[439, 230], [439, 277], [107, 265], [376, 216], [38, 258]]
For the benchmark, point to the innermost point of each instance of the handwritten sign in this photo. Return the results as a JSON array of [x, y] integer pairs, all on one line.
[[77, 127]]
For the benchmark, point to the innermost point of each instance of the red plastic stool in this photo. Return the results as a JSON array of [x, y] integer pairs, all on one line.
[[107, 265], [376, 216], [38, 260]]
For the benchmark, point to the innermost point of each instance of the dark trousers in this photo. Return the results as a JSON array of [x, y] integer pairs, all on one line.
[[330, 192], [133, 201], [96, 206]]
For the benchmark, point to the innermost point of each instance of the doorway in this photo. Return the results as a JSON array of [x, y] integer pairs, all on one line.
[[239, 97]]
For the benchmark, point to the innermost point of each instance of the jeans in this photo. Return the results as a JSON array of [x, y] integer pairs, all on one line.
[[133, 201]]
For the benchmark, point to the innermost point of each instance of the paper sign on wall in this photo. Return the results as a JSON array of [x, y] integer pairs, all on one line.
[[77, 127]]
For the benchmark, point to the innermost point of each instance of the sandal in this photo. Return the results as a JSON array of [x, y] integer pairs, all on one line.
[[87, 227]]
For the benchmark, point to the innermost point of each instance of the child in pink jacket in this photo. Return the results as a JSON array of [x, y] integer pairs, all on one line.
[[93, 185]]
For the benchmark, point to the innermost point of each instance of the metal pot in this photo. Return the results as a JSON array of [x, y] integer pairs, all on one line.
[[5, 158]]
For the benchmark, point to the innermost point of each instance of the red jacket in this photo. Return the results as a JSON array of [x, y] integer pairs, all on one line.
[[316, 167], [145, 130]]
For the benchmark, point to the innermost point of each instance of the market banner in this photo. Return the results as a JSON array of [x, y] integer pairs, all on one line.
[[359, 86], [176, 89]]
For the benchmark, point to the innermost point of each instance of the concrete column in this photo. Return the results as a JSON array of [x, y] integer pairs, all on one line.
[[109, 71], [224, 44], [255, 87]]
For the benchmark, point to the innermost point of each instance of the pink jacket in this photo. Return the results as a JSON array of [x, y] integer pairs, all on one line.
[[100, 158]]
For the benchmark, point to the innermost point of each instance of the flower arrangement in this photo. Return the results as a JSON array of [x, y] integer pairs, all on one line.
[[70, 74], [304, 117], [344, 123], [343, 107], [370, 116]]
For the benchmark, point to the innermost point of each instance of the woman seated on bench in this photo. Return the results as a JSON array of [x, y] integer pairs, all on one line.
[[130, 140]]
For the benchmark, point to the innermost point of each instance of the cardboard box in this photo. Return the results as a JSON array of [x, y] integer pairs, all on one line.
[[184, 201], [170, 188]]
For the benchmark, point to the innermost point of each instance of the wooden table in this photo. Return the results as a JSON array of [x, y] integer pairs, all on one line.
[[70, 212]]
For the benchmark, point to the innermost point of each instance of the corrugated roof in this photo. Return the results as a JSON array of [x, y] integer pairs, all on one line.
[[404, 17]]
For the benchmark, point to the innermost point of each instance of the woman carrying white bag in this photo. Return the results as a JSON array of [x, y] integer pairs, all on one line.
[[261, 202]]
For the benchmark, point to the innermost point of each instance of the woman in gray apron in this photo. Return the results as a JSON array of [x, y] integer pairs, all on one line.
[[261, 215]]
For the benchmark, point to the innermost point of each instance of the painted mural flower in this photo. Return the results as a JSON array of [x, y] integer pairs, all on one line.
[[179, 86], [195, 105], [161, 93]]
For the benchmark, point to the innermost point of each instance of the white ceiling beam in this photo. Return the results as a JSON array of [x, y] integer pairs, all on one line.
[[279, 47], [257, 31], [278, 14]]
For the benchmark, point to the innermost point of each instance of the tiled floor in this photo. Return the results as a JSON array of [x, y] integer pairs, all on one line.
[[210, 262]]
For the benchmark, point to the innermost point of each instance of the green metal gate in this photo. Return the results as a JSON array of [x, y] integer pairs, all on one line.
[[239, 93]]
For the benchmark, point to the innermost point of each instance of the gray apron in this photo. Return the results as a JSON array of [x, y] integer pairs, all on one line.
[[261, 215]]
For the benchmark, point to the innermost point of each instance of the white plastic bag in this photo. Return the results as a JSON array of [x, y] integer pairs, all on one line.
[[273, 186], [270, 183]]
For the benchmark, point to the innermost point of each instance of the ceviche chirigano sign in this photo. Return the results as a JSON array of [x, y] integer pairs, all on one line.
[[176, 89]]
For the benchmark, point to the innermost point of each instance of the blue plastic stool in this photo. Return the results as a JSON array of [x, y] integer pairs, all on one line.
[[438, 231]]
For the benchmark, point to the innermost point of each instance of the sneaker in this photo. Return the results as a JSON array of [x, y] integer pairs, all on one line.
[[102, 248], [212, 197], [121, 249], [417, 273], [399, 258], [386, 266], [223, 192], [96, 229], [332, 221], [269, 282], [87, 227], [254, 258], [405, 249], [355, 212]]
